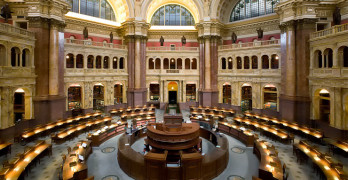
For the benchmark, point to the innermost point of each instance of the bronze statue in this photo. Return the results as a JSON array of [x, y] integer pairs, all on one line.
[[6, 12], [260, 33], [85, 33], [234, 37], [337, 16], [111, 37], [183, 40], [161, 40]]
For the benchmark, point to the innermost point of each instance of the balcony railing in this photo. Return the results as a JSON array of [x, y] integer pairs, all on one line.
[[250, 44], [329, 31], [172, 48], [93, 43], [7, 28]]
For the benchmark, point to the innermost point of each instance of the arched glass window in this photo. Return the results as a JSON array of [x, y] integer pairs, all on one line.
[[97, 8], [245, 9], [172, 15]]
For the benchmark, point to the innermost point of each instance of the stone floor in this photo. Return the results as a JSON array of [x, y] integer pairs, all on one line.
[[103, 165]]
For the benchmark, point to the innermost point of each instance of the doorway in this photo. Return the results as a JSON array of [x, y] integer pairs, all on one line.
[[172, 97], [172, 92]]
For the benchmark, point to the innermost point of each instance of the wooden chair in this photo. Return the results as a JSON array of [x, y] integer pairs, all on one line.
[[63, 157], [286, 176], [69, 149]]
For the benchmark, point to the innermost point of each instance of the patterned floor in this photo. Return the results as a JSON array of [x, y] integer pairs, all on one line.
[[103, 165]]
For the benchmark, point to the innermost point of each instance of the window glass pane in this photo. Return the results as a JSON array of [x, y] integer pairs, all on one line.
[[96, 8], [90, 6], [83, 7], [172, 15], [102, 9], [252, 8]]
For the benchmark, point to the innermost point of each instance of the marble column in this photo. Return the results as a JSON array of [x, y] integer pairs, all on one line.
[[136, 70], [49, 100], [209, 95], [295, 60]]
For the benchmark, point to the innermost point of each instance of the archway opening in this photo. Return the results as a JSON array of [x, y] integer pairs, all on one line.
[[246, 99], [172, 92], [226, 93], [324, 105], [98, 97], [154, 92], [270, 97], [190, 92], [74, 97], [118, 93], [19, 105]]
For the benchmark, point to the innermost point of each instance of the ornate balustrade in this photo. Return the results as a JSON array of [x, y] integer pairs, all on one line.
[[250, 44], [330, 31], [94, 44]]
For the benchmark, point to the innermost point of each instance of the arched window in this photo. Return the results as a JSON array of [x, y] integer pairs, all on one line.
[[98, 97], [70, 61], [246, 62], [158, 63], [79, 61], [25, 57], [194, 63], [106, 62], [187, 63], [151, 63], [245, 9], [274, 61], [165, 63], [98, 62], [114, 63], [179, 63], [3, 59], [122, 63], [345, 56], [223, 63], [318, 58], [328, 59], [254, 62], [97, 8], [90, 61], [239, 63], [172, 15], [265, 62], [229, 63], [172, 63], [15, 56]]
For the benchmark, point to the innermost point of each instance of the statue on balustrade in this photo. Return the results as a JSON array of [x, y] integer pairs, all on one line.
[[260, 33], [234, 37], [6, 12], [183, 40], [337, 16], [85, 33], [161, 40], [111, 37]]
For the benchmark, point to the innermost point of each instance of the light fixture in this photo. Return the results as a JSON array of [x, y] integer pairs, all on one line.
[[230, 60], [172, 60], [67, 56], [277, 57], [114, 59]]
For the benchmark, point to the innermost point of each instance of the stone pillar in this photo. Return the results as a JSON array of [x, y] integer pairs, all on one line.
[[136, 70], [295, 56], [49, 100], [208, 79]]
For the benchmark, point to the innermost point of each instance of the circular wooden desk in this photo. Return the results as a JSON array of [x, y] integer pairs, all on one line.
[[211, 165]]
